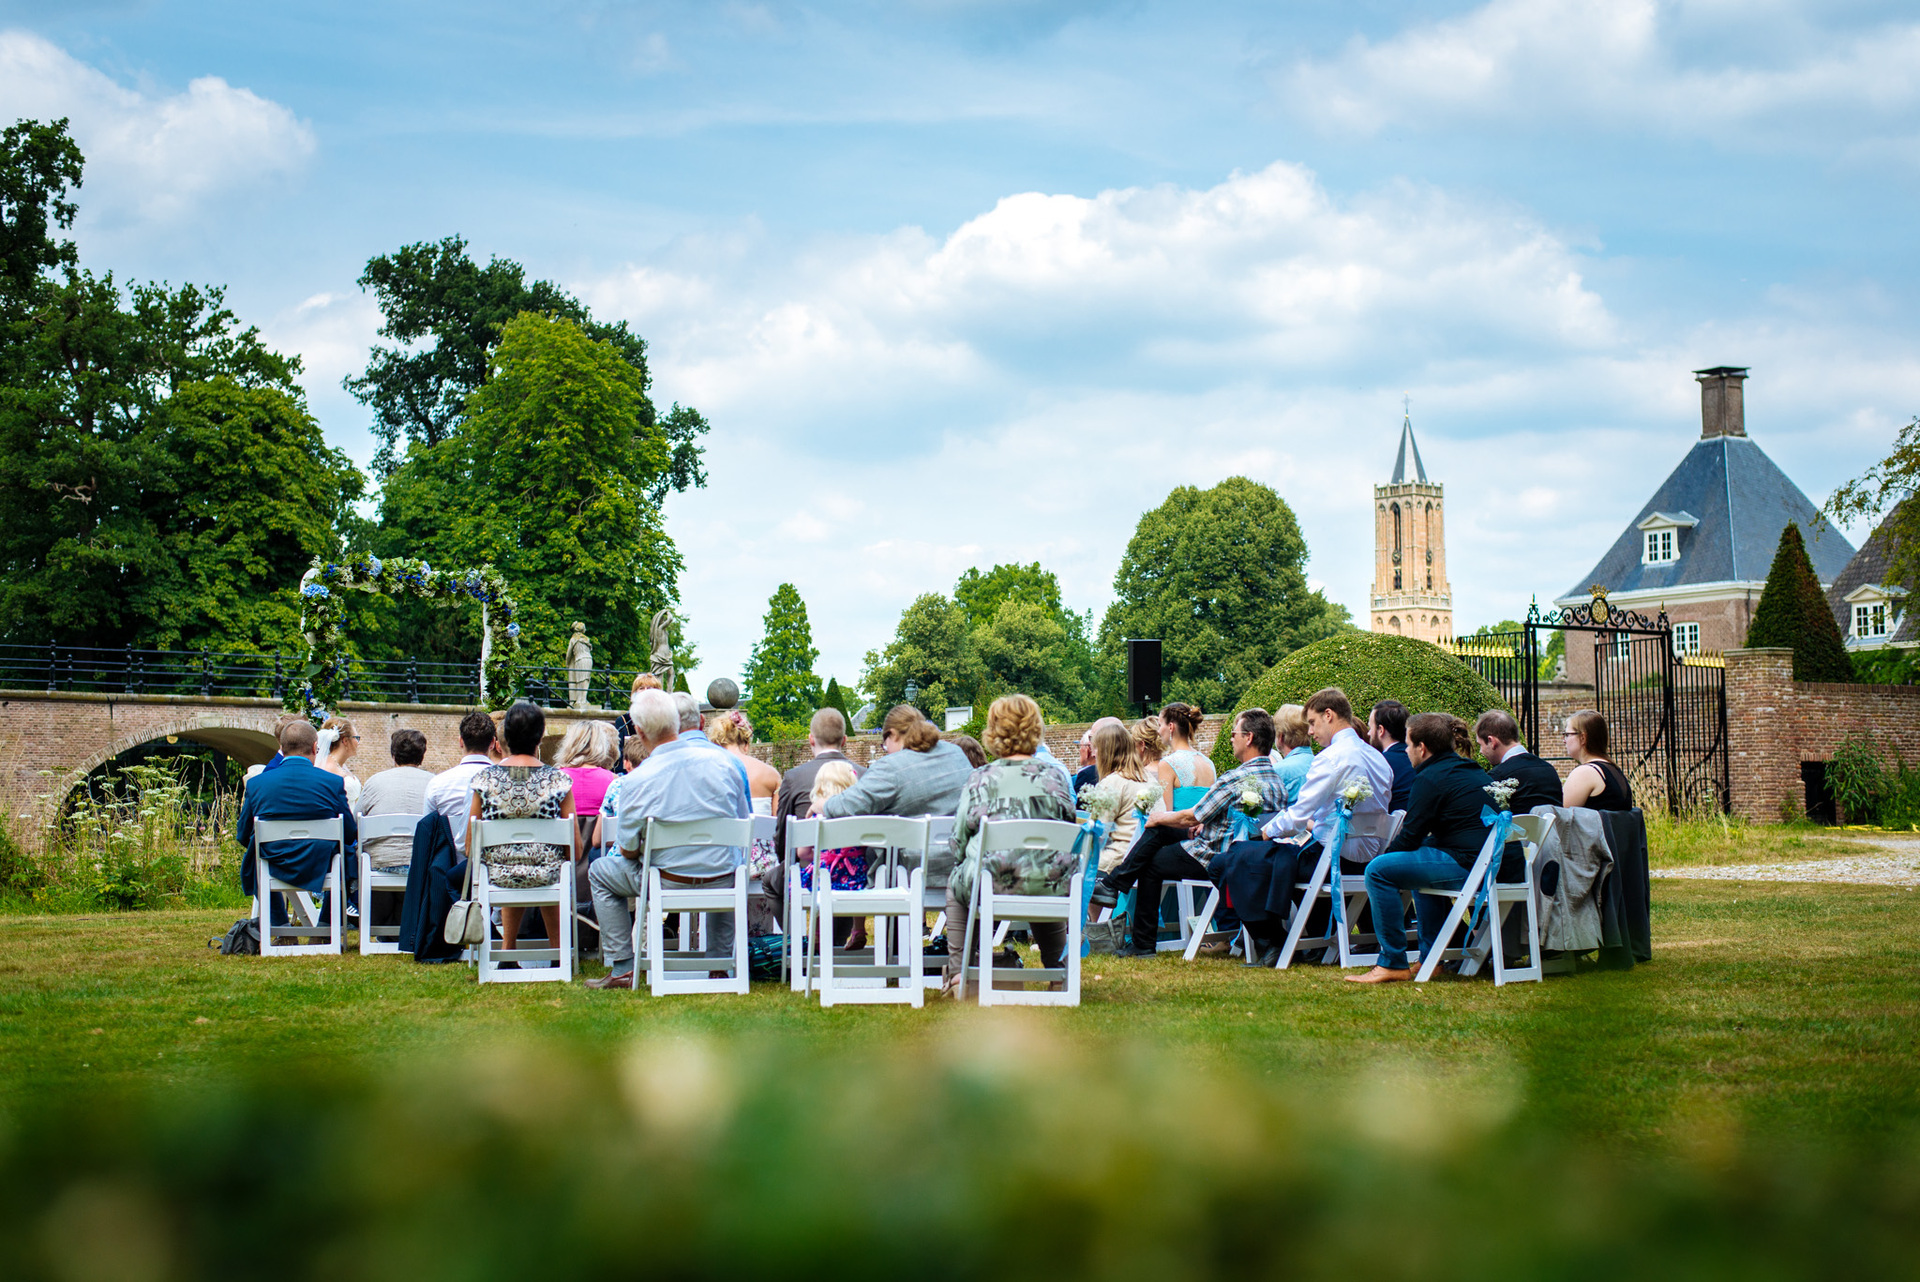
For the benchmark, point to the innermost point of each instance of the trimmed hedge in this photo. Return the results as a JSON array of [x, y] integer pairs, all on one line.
[[1793, 612], [1369, 666]]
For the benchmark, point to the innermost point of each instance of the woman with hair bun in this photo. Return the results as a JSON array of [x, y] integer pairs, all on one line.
[[731, 730], [339, 741], [1015, 786], [1181, 764]]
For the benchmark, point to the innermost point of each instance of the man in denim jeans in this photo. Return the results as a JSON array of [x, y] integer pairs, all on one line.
[[1437, 844]]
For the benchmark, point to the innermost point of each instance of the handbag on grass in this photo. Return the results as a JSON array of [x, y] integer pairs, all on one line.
[[467, 919]]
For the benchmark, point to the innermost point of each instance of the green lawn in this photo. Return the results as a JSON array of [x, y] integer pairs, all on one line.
[[1748, 1103]]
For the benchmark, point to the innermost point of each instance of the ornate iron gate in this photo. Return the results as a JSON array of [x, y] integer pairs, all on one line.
[[1666, 712]]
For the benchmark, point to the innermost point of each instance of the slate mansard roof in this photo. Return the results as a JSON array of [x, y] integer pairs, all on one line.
[[1742, 501], [1873, 566]]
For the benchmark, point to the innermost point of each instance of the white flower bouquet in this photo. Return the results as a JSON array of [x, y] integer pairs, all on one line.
[[1501, 790], [1355, 792], [1251, 801], [1148, 797], [1100, 801]]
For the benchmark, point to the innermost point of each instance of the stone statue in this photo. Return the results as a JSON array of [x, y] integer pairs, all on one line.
[[579, 666], [661, 633], [1560, 667]]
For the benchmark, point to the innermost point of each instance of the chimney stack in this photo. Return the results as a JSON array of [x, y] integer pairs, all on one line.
[[1722, 407]]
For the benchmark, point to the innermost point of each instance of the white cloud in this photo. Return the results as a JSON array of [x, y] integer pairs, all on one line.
[[152, 155], [1698, 69]]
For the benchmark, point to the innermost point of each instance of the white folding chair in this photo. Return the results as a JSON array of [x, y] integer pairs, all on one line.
[[1341, 935], [895, 901], [661, 898], [988, 907], [380, 939], [303, 910], [488, 833], [1529, 831], [802, 834]]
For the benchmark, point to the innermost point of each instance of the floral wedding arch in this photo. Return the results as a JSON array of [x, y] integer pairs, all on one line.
[[324, 680]]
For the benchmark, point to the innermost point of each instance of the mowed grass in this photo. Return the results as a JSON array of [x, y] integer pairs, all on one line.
[[1771, 1008]]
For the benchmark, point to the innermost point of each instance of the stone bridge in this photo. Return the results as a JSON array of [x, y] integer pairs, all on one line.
[[49, 742]]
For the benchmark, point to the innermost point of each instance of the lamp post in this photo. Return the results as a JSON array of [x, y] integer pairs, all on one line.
[[913, 690]]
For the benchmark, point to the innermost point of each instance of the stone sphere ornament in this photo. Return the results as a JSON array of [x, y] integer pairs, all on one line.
[[722, 694]]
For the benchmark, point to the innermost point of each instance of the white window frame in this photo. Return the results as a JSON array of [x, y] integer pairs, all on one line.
[[1661, 546], [1686, 638], [1871, 619]]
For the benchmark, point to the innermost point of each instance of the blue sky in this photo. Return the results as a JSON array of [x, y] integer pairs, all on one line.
[[960, 283]]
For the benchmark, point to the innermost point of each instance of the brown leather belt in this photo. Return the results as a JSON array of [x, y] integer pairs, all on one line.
[[678, 880]]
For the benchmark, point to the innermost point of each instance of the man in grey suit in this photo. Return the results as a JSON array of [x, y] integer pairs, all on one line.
[[827, 736]]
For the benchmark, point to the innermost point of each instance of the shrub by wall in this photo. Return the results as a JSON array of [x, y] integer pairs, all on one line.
[[1369, 666]]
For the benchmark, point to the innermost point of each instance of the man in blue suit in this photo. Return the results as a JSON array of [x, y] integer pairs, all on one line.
[[298, 789]]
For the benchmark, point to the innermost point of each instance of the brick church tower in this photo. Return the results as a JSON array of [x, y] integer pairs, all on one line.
[[1411, 596]]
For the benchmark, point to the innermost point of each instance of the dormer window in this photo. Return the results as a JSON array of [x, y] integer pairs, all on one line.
[[1660, 536], [1875, 610]]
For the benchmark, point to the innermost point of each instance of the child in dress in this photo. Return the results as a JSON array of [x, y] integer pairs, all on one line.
[[846, 867]]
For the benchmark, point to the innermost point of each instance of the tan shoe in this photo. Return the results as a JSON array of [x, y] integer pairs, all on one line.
[[1381, 975], [612, 981]]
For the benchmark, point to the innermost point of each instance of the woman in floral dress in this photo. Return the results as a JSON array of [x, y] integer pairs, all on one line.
[[522, 787]]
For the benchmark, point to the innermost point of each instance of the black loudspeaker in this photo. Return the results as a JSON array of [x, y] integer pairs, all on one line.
[[1143, 672]]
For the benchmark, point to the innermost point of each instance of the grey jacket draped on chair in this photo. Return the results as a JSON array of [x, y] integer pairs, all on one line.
[[909, 784]]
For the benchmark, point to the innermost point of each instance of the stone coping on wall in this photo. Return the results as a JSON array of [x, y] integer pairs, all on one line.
[[240, 701]]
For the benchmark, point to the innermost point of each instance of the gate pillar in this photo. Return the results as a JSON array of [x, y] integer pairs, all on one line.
[[1763, 733]]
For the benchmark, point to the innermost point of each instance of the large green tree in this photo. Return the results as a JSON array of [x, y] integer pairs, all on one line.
[[552, 475], [1793, 612], [1219, 576], [782, 691], [163, 482], [449, 313], [933, 649]]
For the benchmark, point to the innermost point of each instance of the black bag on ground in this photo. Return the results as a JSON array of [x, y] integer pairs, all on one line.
[[242, 939]]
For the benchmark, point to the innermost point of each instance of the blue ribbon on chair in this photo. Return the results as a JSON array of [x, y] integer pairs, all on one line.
[[1342, 812], [1241, 826], [1502, 822], [1088, 845]]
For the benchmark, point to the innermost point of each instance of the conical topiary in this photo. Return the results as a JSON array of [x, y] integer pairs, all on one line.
[[1793, 612]]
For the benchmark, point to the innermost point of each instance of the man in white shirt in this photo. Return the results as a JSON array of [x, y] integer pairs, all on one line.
[[451, 791], [1343, 757]]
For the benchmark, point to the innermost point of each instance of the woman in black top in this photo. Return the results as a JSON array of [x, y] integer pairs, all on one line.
[[1596, 783]]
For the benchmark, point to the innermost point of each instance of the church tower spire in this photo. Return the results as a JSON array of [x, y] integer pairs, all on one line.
[[1411, 596]]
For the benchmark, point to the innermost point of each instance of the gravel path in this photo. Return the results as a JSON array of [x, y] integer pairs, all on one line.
[[1888, 861]]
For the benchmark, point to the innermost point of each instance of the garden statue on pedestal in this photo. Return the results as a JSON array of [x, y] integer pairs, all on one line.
[[661, 633], [579, 666]]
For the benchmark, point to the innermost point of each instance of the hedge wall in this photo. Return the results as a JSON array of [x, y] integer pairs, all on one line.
[[1369, 666]]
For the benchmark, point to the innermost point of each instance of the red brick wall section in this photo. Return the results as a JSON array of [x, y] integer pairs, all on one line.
[[1775, 723]]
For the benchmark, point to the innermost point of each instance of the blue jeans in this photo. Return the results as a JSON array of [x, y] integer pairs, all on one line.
[[1391, 873]]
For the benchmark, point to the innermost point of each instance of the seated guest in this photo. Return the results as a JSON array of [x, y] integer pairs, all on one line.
[[623, 724], [681, 778], [278, 756], [1292, 755], [586, 753], [1085, 775], [522, 786], [693, 726], [1387, 731], [296, 789], [1179, 844], [1437, 844], [1259, 876], [976, 755], [1016, 785], [921, 773], [1120, 774], [1539, 783], [339, 742], [1148, 748], [1596, 783], [827, 740], [1181, 764], [451, 791], [631, 754], [731, 730], [399, 791]]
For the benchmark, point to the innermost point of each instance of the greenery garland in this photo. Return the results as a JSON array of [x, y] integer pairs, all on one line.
[[323, 682]]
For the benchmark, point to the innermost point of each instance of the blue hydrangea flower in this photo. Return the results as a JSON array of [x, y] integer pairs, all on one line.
[[315, 590], [513, 631], [373, 566]]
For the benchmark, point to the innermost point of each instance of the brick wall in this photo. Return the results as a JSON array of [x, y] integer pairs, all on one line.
[[1775, 723]]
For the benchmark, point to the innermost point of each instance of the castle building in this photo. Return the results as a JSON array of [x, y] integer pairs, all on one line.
[[1411, 595], [1700, 548]]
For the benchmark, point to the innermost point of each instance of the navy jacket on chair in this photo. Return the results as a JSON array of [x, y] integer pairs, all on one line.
[[297, 789], [435, 879], [1539, 781]]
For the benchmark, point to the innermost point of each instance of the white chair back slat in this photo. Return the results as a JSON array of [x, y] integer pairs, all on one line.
[[802, 834], [659, 899], [381, 939], [990, 907]]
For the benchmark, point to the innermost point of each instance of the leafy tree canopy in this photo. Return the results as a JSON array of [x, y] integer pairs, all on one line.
[[980, 594], [450, 313], [932, 648], [1883, 490], [1219, 577], [39, 164], [782, 691], [1793, 612], [550, 475]]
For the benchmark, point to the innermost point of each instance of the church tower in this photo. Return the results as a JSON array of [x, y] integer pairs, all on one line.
[[1411, 596]]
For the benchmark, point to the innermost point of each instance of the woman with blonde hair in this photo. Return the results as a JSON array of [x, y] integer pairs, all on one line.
[[339, 741], [1596, 783], [1120, 774], [586, 753], [731, 730], [1293, 750], [1014, 786]]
